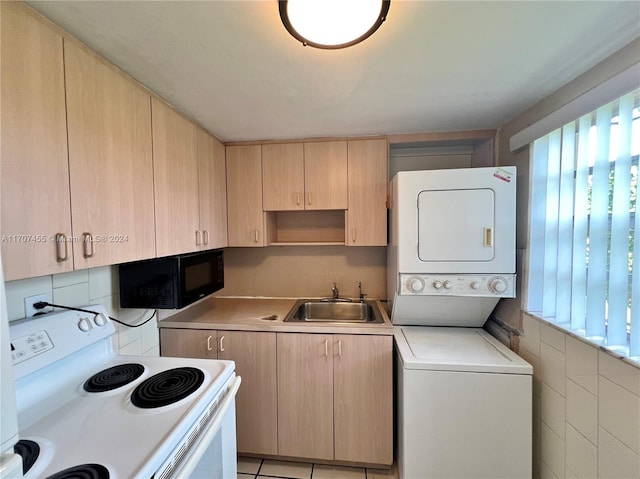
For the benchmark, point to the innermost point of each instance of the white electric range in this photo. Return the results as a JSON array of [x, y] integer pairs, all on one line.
[[84, 411]]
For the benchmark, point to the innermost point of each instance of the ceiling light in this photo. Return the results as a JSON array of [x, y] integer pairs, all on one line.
[[332, 24]]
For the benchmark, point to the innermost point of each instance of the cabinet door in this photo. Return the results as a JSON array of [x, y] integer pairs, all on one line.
[[257, 401], [110, 162], [246, 220], [305, 395], [325, 175], [175, 173], [283, 177], [35, 170], [188, 343], [363, 384], [368, 175], [212, 191]]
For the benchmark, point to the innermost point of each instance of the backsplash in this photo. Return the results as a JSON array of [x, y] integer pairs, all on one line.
[[84, 287]]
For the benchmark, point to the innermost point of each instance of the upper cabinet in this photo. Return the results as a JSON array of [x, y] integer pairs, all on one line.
[[36, 218], [246, 218], [366, 223], [212, 191], [175, 174], [110, 163], [309, 176]]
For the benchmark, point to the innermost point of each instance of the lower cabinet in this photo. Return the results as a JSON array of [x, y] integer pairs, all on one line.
[[335, 397], [255, 356], [312, 396]]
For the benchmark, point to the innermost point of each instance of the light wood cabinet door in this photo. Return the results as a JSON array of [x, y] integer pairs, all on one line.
[[368, 177], [189, 343], [283, 177], [212, 189], [110, 163], [325, 175], [246, 219], [35, 172], [305, 395], [363, 388], [175, 174], [257, 400]]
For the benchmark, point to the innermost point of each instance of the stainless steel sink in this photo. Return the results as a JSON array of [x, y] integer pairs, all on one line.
[[314, 311]]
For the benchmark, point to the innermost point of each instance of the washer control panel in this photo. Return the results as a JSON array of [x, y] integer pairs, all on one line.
[[496, 285]]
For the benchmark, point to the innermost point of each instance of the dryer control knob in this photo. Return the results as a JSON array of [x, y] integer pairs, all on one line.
[[498, 285], [437, 284], [100, 319], [415, 284], [84, 324], [475, 285], [447, 284]]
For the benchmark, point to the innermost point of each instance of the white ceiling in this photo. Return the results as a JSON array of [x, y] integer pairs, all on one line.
[[432, 66]]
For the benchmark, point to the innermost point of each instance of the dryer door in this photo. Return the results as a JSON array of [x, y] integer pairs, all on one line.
[[456, 225]]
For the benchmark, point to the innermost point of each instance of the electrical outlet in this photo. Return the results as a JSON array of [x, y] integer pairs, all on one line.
[[29, 301]]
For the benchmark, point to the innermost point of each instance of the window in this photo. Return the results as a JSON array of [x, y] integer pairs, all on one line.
[[582, 241]]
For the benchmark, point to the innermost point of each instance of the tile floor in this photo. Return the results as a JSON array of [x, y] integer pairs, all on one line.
[[254, 468]]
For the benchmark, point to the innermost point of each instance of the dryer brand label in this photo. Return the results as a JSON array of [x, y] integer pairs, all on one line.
[[503, 175]]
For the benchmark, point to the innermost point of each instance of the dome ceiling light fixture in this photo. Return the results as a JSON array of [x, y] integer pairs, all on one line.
[[332, 24]]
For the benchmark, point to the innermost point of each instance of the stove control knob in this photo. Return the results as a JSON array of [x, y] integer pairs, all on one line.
[[437, 284], [447, 284], [100, 319], [498, 285], [84, 324], [415, 284], [475, 285]]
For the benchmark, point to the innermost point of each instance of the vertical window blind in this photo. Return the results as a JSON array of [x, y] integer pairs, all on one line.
[[582, 241]]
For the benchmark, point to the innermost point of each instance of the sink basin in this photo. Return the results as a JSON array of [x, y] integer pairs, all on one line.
[[334, 312]]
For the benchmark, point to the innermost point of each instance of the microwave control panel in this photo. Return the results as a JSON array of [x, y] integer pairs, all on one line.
[[481, 285]]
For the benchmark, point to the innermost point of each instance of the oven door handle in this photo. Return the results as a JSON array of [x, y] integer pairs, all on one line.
[[192, 460]]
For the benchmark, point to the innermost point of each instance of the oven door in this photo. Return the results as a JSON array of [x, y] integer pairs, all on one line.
[[212, 454]]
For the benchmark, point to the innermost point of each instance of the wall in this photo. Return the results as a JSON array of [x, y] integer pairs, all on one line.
[[84, 287], [304, 271], [586, 400]]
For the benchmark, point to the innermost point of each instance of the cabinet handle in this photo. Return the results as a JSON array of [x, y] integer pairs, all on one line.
[[198, 241], [353, 235], [257, 236], [488, 237], [87, 239], [326, 348], [205, 237], [340, 347], [298, 198], [221, 346], [209, 343], [61, 239], [309, 198]]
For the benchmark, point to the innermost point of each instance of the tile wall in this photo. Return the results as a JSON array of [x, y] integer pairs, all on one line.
[[84, 287], [586, 406]]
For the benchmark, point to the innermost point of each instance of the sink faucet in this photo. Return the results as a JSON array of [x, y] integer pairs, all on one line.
[[361, 296], [334, 290]]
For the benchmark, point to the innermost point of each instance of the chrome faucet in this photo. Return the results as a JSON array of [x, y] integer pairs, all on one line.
[[334, 290], [361, 296]]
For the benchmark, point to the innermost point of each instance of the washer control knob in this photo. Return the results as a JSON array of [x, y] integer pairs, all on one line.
[[84, 324], [415, 284], [100, 319], [498, 285], [475, 285], [447, 284], [437, 284]]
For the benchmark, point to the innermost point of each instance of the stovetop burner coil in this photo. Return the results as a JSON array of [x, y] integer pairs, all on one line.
[[83, 471], [112, 378], [167, 387], [29, 451]]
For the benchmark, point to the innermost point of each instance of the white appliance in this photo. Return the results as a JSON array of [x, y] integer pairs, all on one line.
[[463, 399], [10, 463], [84, 411]]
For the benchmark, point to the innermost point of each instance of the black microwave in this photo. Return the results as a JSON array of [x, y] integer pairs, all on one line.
[[172, 282]]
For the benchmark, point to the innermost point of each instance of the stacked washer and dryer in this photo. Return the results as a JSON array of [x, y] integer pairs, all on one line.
[[464, 400]]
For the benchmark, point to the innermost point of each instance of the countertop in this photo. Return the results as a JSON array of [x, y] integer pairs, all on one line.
[[245, 314]]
